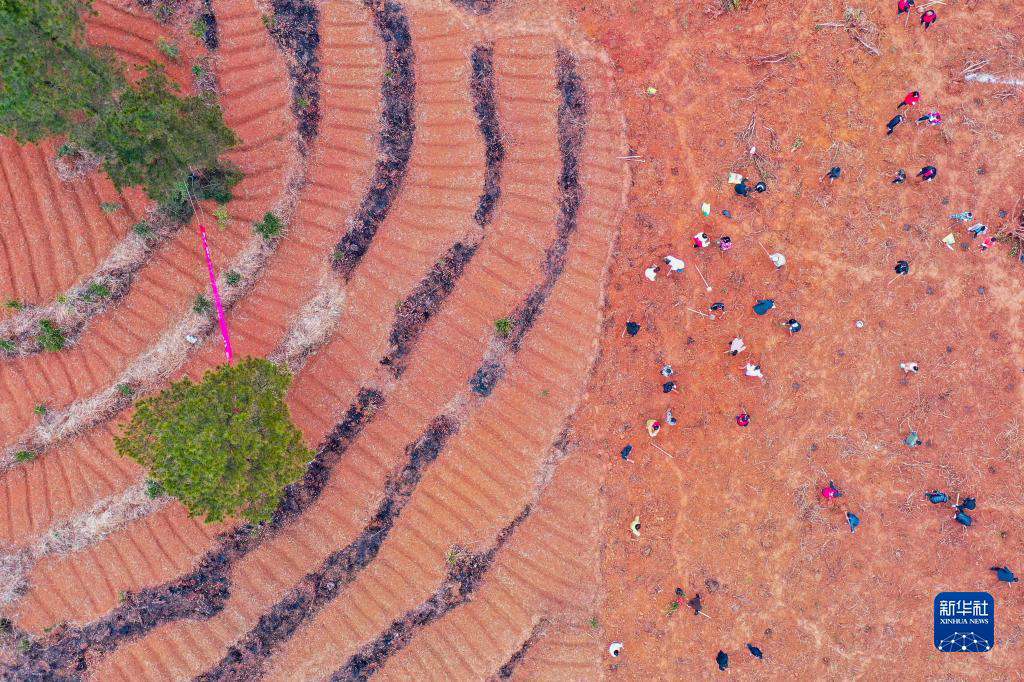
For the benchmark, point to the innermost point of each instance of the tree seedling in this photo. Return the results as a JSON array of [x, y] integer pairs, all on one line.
[[269, 227], [202, 305], [169, 49], [503, 327], [143, 229], [95, 292], [51, 338]]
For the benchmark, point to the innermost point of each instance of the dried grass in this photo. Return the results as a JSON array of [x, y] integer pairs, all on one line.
[[84, 530]]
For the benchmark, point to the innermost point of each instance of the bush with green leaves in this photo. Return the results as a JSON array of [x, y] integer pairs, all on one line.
[[202, 305], [49, 76], [51, 337], [198, 28], [151, 137], [503, 327], [169, 49], [95, 291], [224, 447], [269, 227]]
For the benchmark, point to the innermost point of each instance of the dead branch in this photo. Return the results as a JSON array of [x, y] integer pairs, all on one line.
[[859, 27], [971, 67], [771, 58]]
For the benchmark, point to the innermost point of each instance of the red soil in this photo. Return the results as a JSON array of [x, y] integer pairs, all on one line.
[[733, 514], [53, 232], [136, 37]]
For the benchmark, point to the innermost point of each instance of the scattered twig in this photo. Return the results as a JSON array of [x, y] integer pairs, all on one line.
[[971, 67], [858, 26], [771, 58]]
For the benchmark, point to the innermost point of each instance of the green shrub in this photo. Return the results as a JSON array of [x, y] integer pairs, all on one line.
[[198, 29], [269, 227], [125, 390], [14, 304], [503, 327], [143, 229], [232, 277], [40, 410], [96, 291], [24, 455], [49, 76], [168, 49], [223, 217], [51, 338], [7, 345], [151, 137], [225, 446], [202, 305], [110, 207], [154, 489]]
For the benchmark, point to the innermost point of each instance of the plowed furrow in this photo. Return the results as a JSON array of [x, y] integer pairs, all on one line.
[[507, 442], [318, 590], [135, 37], [128, 560], [547, 570], [444, 442], [457, 589], [52, 232]]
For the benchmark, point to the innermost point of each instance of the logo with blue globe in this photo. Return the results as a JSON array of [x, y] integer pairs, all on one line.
[[964, 622]]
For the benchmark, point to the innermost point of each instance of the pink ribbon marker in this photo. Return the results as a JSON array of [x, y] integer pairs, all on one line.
[[216, 297]]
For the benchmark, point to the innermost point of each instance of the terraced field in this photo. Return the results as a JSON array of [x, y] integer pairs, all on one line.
[[439, 166]]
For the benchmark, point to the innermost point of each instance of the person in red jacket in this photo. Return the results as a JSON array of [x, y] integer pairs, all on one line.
[[903, 7], [929, 18], [928, 173], [910, 100]]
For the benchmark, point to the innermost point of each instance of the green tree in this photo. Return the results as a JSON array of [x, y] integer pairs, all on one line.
[[153, 138], [225, 446], [49, 77]]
